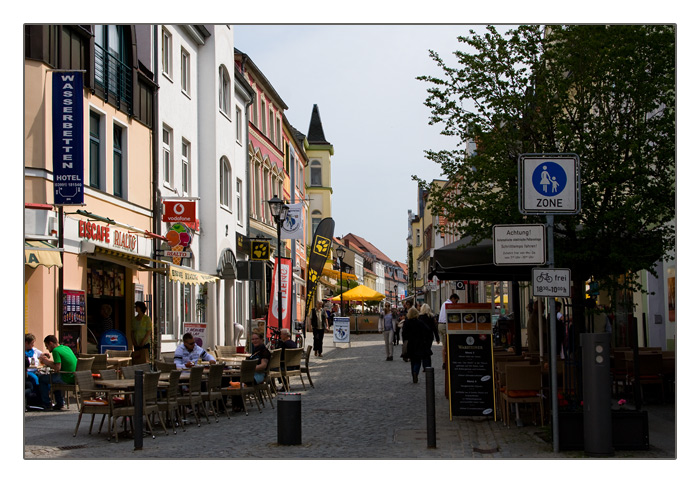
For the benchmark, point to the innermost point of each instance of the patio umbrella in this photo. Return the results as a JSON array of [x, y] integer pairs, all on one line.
[[361, 293]]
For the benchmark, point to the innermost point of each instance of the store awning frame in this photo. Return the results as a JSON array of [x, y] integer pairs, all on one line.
[[39, 252], [189, 276]]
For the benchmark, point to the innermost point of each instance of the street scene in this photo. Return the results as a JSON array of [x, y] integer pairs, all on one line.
[[224, 241]]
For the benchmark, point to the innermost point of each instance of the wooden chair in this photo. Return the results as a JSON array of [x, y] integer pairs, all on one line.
[[83, 364], [523, 385], [150, 405], [93, 400], [650, 371], [167, 401], [214, 395], [292, 366], [129, 372], [247, 385], [192, 393], [305, 368]]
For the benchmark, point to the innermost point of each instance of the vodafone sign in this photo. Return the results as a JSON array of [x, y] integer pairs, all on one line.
[[179, 211]]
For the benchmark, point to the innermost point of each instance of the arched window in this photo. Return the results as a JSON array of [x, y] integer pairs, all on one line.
[[224, 91], [225, 183], [316, 178]]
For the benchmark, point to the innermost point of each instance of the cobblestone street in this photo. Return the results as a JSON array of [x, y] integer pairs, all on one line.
[[362, 407]]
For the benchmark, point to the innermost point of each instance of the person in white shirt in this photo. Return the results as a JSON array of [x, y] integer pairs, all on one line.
[[187, 353], [442, 325]]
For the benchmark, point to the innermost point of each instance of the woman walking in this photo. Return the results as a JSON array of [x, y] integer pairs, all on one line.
[[419, 337], [387, 325]]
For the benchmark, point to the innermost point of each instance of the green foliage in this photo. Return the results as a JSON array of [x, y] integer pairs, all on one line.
[[606, 93]]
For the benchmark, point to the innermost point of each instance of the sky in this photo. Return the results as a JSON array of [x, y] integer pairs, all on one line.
[[363, 79]]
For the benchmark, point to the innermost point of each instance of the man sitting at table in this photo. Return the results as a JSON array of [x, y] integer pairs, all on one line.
[[63, 360], [187, 353], [286, 343]]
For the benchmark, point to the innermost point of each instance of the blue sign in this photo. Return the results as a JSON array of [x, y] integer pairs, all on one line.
[[67, 121], [549, 179]]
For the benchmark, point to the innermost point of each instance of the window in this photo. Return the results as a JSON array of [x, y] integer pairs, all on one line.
[[185, 72], [72, 49], [239, 125], [272, 123], [316, 179], [113, 71], [225, 183], [167, 53], [239, 201], [258, 196], [95, 149], [267, 179], [167, 159], [117, 159], [185, 167], [254, 111], [278, 135], [224, 91], [315, 220], [262, 117]]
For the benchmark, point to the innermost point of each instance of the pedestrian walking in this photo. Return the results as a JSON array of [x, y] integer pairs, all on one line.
[[387, 325], [418, 337], [319, 325], [442, 325]]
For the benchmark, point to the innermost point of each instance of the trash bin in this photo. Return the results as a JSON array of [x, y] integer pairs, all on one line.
[[289, 418]]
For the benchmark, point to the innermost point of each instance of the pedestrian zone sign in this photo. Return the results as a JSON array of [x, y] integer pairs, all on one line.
[[549, 184]]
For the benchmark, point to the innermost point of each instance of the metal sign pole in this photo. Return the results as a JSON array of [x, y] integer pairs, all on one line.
[[553, 341]]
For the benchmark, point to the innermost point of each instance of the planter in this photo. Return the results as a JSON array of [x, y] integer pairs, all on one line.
[[630, 430]]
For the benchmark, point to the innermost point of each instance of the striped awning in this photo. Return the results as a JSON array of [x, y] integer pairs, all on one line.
[[38, 252], [188, 276], [140, 262]]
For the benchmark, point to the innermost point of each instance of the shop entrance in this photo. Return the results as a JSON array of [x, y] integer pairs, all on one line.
[[106, 300]]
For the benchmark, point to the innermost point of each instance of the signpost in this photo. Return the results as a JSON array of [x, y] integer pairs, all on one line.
[[550, 184], [551, 282]]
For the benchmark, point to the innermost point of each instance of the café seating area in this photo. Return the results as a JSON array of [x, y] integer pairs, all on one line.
[[177, 399]]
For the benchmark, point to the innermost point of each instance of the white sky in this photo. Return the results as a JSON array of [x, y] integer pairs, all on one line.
[[363, 78]]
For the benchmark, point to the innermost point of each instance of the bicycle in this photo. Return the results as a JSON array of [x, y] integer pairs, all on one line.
[[299, 335], [273, 341], [544, 276]]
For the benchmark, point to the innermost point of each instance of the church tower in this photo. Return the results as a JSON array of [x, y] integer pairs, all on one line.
[[318, 175]]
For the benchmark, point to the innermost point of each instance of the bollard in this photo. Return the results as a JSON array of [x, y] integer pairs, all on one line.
[[430, 405], [289, 418], [138, 410], [597, 417]]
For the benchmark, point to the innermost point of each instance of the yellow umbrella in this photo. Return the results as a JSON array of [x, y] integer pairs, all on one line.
[[497, 300], [361, 293]]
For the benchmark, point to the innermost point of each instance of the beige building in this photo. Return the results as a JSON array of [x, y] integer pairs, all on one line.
[[318, 175]]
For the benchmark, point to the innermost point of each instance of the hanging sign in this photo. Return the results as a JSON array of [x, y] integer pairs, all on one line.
[[260, 250], [292, 227], [320, 251], [67, 123], [180, 211], [285, 265]]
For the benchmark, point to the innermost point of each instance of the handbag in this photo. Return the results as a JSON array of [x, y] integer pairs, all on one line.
[[404, 349]]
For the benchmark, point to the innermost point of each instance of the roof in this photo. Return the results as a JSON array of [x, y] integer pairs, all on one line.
[[316, 135], [368, 247]]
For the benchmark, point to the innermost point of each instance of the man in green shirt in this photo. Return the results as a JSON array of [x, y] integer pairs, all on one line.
[[63, 360]]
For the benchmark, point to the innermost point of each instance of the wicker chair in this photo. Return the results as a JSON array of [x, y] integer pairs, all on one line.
[[275, 366], [214, 395], [292, 366], [165, 366], [129, 372], [150, 404], [193, 393], [82, 365], [167, 402], [263, 389], [247, 385], [92, 401], [305, 369]]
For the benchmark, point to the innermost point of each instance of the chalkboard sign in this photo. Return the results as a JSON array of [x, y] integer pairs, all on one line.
[[470, 373]]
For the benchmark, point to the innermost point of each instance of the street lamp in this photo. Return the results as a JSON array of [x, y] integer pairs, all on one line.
[[279, 212], [340, 251], [396, 292]]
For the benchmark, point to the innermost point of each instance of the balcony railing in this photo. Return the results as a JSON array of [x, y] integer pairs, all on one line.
[[115, 77]]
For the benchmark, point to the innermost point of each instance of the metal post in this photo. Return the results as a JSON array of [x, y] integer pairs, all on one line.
[[553, 341], [279, 272], [430, 406], [138, 410]]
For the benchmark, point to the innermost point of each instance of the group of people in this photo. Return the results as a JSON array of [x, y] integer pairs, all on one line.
[[417, 329], [59, 359]]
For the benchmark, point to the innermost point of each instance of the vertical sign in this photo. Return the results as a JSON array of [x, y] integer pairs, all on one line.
[[549, 184], [292, 226], [470, 373], [320, 250], [285, 264], [67, 121]]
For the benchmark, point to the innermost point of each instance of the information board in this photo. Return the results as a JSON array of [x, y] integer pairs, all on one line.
[[341, 330], [470, 373]]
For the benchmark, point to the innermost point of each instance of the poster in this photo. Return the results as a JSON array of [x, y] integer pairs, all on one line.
[[73, 307], [286, 268], [199, 332], [470, 373], [341, 330]]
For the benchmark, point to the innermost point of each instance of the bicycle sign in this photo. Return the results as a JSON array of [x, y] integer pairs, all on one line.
[[551, 282]]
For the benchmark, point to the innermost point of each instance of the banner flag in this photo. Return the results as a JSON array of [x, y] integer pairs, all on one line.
[[320, 251], [67, 124], [293, 226], [286, 266]]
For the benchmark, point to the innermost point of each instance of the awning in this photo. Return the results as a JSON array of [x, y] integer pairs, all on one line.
[[328, 271], [128, 259], [361, 293], [462, 261], [41, 253], [188, 276]]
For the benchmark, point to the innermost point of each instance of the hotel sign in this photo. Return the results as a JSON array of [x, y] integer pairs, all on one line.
[[67, 124]]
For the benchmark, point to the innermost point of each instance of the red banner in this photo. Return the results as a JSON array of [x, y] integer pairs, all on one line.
[[286, 295], [180, 211]]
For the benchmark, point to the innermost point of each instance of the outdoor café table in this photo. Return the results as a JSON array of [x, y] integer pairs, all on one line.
[[117, 362], [123, 384]]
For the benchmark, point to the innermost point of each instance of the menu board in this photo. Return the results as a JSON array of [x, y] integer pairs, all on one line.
[[73, 307], [470, 373]]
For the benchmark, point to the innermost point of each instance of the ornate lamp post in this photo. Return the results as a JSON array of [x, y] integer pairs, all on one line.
[[415, 295], [279, 212], [340, 251], [396, 293]]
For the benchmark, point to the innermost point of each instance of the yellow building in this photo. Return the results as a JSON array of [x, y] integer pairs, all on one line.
[[318, 175]]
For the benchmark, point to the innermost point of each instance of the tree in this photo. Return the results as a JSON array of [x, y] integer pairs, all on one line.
[[606, 93]]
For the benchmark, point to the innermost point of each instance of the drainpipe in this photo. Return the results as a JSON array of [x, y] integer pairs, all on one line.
[[155, 315], [247, 181]]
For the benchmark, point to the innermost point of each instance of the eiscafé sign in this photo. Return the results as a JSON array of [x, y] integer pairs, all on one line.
[[179, 211], [105, 236]]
